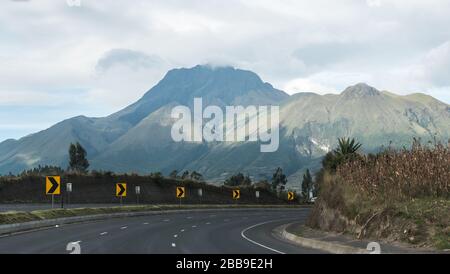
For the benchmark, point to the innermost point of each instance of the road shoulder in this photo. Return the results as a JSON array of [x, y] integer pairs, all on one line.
[[338, 243]]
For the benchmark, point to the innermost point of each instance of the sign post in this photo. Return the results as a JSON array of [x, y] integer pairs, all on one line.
[[53, 187], [69, 190], [138, 192], [121, 191], [180, 193], [200, 194]]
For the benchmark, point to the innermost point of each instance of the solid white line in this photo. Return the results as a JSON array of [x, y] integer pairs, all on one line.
[[256, 243], [103, 233]]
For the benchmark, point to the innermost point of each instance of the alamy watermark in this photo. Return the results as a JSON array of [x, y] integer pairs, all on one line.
[[238, 124]]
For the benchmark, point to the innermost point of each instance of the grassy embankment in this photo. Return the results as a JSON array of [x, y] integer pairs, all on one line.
[[396, 195]]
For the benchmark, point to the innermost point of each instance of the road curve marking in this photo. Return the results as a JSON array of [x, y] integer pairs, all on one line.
[[256, 243]]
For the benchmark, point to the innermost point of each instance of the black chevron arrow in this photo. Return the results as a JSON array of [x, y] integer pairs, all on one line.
[[290, 196], [54, 185], [122, 190], [236, 194], [180, 192]]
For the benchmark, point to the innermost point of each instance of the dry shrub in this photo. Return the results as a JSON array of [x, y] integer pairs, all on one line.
[[396, 175]]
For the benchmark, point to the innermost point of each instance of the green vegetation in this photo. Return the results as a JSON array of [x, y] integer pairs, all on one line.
[[396, 195], [238, 180], [307, 185], [77, 159], [279, 180]]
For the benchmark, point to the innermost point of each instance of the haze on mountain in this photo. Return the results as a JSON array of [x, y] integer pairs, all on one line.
[[137, 138]]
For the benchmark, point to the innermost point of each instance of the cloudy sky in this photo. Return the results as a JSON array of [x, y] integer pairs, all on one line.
[[58, 61]]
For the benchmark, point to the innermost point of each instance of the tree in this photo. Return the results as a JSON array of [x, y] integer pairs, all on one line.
[[279, 180], [238, 180], [307, 185], [77, 158], [173, 174], [185, 175], [196, 176]]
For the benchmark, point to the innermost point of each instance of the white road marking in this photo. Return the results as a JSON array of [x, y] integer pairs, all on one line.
[[103, 233], [208, 223], [56, 226], [166, 220], [182, 230], [124, 227], [256, 243], [194, 226], [176, 235], [174, 245], [145, 223], [189, 217]]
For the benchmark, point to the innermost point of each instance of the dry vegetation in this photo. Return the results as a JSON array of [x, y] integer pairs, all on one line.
[[401, 174], [396, 195]]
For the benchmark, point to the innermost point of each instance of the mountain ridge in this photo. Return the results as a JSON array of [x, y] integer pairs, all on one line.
[[137, 138]]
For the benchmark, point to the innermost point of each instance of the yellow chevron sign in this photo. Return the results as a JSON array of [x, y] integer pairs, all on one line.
[[121, 190], [53, 185]]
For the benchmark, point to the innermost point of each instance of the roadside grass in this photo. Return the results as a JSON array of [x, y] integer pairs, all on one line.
[[13, 217]]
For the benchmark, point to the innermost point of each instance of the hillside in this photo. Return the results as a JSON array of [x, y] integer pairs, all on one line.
[[137, 138]]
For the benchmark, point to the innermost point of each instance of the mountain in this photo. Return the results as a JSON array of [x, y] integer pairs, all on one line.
[[137, 138]]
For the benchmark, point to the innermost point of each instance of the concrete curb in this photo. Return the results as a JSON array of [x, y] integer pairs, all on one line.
[[329, 247], [32, 225]]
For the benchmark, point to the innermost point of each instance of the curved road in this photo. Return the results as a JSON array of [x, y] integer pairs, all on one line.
[[211, 232]]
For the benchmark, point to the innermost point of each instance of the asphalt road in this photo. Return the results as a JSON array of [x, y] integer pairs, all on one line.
[[217, 232]]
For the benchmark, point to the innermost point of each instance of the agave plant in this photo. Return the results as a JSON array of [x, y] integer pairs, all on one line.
[[346, 147]]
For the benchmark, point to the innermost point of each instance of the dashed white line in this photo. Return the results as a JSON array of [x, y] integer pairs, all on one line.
[[145, 223], [166, 220], [182, 230], [189, 217], [103, 233], [208, 223], [175, 236], [194, 226], [256, 243], [174, 245], [124, 227]]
